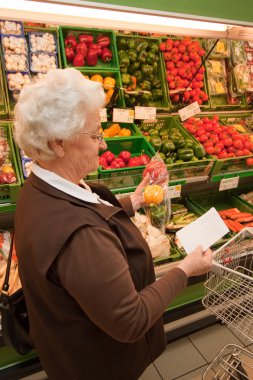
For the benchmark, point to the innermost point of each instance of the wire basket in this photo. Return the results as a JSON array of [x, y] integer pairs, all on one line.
[[229, 286], [232, 363]]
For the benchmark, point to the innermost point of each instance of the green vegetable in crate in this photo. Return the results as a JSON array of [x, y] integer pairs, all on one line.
[[199, 151], [155, 67], [168, 161], [126, 79], [146, 85], [142, 56], [157, 93], [189, 143], [133, 67], [178, 140], [122, 43], [146, 99], [138, 75], [124, 60], [156, 142], [141, 45], [185, 154], [153, 47], [146, 70], [173, 156], [154, 132], [167, 146], [156, 83], [131, 43], [132, 54], [151, 58]]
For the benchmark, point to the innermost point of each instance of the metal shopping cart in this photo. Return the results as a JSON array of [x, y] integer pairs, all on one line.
[[229, 295]]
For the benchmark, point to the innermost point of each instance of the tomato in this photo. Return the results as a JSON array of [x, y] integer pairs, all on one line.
[[134, 161], [200, 131], [230, 155], [109, 156], [230, 149], [209, 149], [237, 144], [208, 126], [125, 155], [214, 138], [203, 138], [223, 154], [227, 141], [246, 152], [153, 194], [249, 161], [239, 153]]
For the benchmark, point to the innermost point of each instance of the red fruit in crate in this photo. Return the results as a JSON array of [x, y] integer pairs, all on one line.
[[162, 46], [125, 155], [82, 49], [144, 159], [78, 60], [86, 38], [3, 178], [102, 162], [69, 52], [117, 163], [11, 178], [70, 41], [134, 161], [249, 161], [109, 156]]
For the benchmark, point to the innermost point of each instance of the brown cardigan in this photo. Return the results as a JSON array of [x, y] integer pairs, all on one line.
[[94, 305]]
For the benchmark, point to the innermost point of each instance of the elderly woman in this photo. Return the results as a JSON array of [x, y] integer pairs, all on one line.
[[87, 274]]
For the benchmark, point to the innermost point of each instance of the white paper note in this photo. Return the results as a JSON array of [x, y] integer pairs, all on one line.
[[205, 231]]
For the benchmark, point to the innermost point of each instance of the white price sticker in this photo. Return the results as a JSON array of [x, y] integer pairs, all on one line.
[[174, 191], [145, 113], [189, 111], [103, 115], [123, 115], [229, 183]]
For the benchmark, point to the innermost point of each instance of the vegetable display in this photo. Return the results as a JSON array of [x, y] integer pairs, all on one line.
[[108, 160], [235, 219], [108, 82], [182, 60], [86, 50], [141, 79]]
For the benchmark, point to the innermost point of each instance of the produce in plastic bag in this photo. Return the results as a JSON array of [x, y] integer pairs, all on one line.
[[156, 194]]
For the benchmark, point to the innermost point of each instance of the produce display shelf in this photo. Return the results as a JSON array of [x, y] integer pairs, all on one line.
[[243, 190], [241, 174], [65, 31], [9, 192], [220, 102], [162, 104]]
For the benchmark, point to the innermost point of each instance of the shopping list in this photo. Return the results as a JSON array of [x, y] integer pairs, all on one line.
[[205, 231]]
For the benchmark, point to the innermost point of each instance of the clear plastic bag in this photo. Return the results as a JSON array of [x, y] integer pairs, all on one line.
[[156, 195]]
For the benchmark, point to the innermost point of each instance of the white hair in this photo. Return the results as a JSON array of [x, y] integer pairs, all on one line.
[[56, 107]]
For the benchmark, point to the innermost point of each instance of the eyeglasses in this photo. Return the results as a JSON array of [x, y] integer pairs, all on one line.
[[98, 136]]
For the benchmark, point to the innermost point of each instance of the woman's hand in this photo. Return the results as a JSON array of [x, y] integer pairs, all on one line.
[[137, 197], [197, 262]]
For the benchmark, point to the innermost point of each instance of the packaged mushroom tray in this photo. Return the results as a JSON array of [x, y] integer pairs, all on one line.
[[43, 62], [14, 45], [11, 28], [42, 42]]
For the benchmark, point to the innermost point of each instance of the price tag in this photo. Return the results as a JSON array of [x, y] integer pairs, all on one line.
[[103, 115], [123, 115], [145, 113], [229, 183], [174, 191], [189, 111]]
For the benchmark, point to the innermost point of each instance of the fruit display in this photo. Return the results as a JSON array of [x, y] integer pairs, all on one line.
[[141, 72], [184, 73], [83, 47], [124, 159]]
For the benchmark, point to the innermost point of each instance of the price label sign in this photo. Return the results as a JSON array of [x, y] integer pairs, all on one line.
[[189, 111], [229, 183], [174, 191], [123, 115], [103, 115], [143, 113]]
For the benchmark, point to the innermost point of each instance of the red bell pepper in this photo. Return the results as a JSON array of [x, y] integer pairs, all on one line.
[[97, 48], [70, 41], [103, 41], [78, 60], [86, 38], [106, 55], [81, 48], [69, 52], [92, 58]]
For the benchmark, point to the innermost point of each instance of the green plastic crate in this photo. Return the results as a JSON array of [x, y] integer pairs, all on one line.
[[9, 192], [243, 189], [245, 119], [136, 146], [3, 102], [120, 102], [175, 255], [178, 105], [65, 31], [135, 132], [185, 170], [163, 103]]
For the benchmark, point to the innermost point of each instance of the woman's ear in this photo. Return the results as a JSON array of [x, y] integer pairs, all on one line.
[[57, 146]]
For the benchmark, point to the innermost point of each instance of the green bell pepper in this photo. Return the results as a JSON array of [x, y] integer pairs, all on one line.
[[133, 66], [178, 140], [167, 146], [155, 67], [124, 60], [157, 93], [156, 83], [156, 142], [153, 47], [153, 132], [141, 45], [142, 56], [131, 43], [146, 85], [189, 143], [132, 54], [162, 155], [173, 156], [150, 59], [185, 154], [124, 70], [199, 151], [169, 161], [146, 70], [122, 43], [145, 99], [126, 79], [138, 75]]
